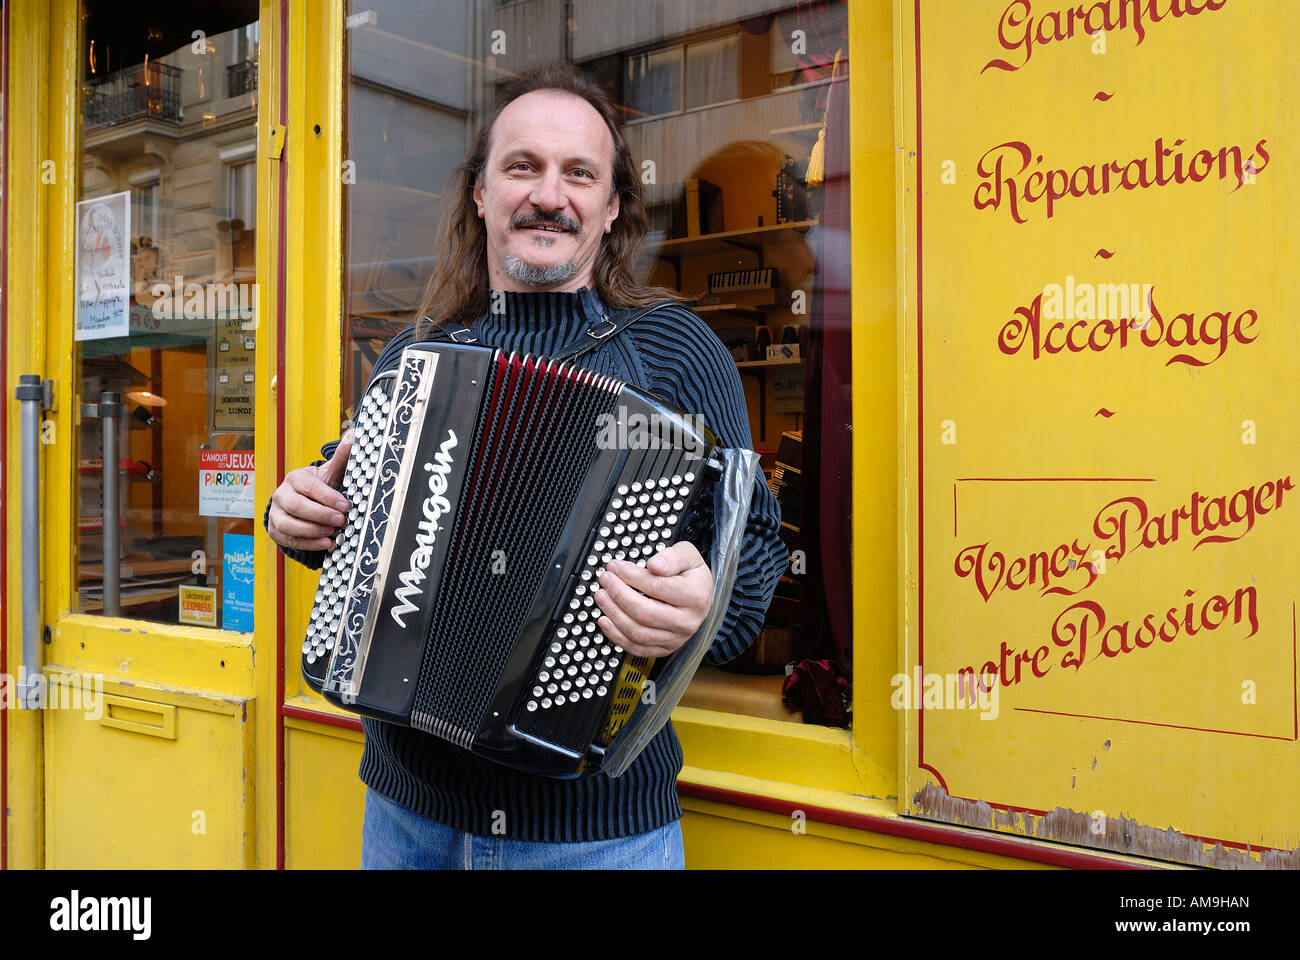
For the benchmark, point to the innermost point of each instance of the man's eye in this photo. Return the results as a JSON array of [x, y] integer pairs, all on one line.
[[582, 173]]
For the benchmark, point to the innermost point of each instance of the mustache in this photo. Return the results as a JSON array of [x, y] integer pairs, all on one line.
[[550, 219]]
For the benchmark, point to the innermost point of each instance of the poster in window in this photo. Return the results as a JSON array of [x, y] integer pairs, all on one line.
[[103, 267]]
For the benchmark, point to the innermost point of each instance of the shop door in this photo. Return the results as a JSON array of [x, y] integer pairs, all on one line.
[[149, 513]]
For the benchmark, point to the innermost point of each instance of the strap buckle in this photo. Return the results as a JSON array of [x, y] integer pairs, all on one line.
[[602, 334], [462, 336]]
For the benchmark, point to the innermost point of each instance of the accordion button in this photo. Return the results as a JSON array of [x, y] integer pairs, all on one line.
[[568, 618], [591, 561], [677, 479], [561, 632], [658, 495], [311, 658], [640, 563], [572, 670], [564, 657], [586, 667], [586, 574], [615, 503], [582, 616], [643, 499], [611, 517], [606, 557], [556, 648], [591, 626], [586, 694], [532, 705], [626, 541], [640, 538], [604, 531], [546, 702], [566, 685], [307, 647], [574, 604], [598, 546], [607, 676], [622, 489], [625, 515], [636, 487], [602, 690], [544, 676], [618, 529], [538, 691], [649, 484], [551, 688], [678, 504], [549, 661]]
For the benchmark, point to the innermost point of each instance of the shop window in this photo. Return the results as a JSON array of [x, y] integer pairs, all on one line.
[[165, 315], [728, 102]]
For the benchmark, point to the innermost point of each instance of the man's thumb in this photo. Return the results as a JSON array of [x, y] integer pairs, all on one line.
[[332, 471]]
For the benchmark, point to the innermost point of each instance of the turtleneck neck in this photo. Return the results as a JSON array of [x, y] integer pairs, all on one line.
[[529, 310]]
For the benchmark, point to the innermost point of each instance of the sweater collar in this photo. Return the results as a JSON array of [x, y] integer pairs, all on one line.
[[547, 310]]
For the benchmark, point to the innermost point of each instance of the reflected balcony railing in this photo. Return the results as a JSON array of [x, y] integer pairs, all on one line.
[[241, 78], [151, 90]]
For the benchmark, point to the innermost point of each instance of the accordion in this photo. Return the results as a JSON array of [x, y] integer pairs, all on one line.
[[488, 493]]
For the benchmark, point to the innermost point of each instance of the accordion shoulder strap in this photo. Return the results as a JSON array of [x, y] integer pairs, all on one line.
[[593, 338], [599, 334]]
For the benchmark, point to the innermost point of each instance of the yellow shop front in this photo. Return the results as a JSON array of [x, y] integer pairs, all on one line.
[[1035, 613]]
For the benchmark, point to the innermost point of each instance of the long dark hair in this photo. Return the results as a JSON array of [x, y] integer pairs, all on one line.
[[458, 290]]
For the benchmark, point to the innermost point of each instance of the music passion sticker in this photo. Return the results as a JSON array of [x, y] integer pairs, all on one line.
[[237, 582]]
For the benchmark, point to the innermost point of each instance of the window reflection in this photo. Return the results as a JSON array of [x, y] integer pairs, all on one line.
[[169, 113], [724, 105]]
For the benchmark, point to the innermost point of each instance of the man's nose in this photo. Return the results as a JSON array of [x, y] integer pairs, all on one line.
[[547, 193]]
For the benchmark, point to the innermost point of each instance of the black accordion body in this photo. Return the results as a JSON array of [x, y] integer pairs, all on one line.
[[488, 493]]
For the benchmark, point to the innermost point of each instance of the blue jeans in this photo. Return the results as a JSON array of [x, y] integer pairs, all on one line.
[[395, 838]]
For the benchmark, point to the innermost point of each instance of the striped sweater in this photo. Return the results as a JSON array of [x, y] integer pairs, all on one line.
[[674, 355]]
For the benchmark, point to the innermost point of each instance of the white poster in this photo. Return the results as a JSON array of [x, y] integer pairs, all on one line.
[[104, 267]]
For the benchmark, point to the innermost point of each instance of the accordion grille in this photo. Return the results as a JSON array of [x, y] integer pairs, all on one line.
[[534, 444]]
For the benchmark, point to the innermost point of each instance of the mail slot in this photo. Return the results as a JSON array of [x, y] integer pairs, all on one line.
[[139, 716]]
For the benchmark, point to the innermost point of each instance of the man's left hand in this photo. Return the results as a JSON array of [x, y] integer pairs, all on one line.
[[650, 611]]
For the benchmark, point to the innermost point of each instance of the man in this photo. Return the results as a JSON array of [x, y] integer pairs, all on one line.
[[540, 244]]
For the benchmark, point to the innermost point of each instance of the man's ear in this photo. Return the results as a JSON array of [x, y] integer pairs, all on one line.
[[613, 212], [478, 198]]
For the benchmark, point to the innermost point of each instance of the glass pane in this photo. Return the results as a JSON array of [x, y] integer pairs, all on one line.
[[712, 71], [723, 104], [166, 294], [654, 83]]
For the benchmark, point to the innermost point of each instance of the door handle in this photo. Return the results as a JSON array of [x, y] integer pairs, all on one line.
[[107, 411], [34, 397]]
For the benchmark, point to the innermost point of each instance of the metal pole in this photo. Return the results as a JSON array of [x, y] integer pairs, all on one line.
[[109, 409], [30, 396]]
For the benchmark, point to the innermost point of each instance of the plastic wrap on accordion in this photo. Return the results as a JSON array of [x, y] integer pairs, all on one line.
[[731, 512]]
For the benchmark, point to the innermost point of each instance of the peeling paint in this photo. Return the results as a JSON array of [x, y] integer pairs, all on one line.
[[1122, 834]]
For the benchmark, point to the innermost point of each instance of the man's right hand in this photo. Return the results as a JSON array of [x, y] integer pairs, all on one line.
[[307, 510]]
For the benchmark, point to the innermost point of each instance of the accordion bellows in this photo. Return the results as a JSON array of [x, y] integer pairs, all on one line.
[[489, 492]]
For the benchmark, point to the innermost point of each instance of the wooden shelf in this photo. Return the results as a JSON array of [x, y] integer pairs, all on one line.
[[727, 242], [751, 364]]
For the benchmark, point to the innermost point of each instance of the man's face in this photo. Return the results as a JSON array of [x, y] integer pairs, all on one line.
[[545, 194]]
